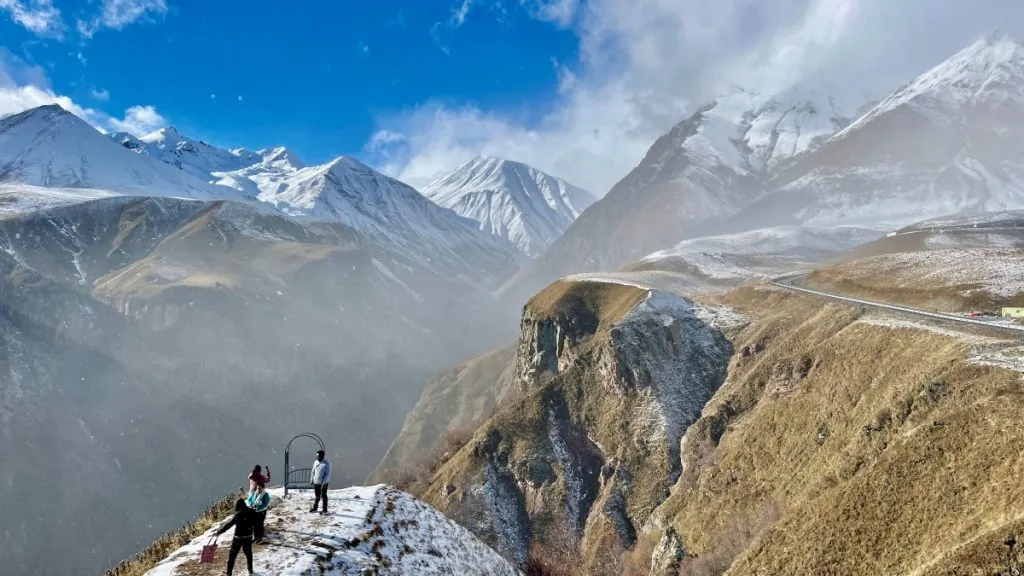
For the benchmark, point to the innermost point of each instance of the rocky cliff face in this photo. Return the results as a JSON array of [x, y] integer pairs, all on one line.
[[609, 378]]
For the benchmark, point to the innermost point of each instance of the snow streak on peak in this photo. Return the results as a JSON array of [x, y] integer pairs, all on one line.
[[281, 157], [988, 72], [511, 200]]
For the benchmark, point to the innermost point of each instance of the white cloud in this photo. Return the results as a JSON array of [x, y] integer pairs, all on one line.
[[645, 64], [460, 12], [116, 14], [100, 94], [38, 16], [139, 120], [23, 86], [560, 12]]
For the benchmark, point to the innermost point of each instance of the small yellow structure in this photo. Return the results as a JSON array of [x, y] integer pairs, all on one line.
[[1013, 312]]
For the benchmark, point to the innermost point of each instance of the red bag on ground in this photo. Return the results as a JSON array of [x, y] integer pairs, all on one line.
[[208, 551]]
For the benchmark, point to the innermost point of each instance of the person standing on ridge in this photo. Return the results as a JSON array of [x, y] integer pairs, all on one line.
[[244, 521], [321, 476], [259, 501], [256, 476]]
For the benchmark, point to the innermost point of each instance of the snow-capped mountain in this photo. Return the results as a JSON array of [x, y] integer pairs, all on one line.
[[48, 146], [945, 143], [705, 170], [384, 211], [193, 156], [511, 200]]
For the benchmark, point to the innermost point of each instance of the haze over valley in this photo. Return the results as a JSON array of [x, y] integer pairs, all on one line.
[[728, 312]]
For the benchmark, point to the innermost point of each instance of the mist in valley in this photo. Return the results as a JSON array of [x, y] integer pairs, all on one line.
[[146, 375]]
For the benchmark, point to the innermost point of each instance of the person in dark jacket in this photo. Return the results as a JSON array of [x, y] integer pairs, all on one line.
[[256, 476], [259, 501], [244, 521]]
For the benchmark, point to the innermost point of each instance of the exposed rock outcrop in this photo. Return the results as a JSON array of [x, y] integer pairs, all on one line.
[[610, 376]]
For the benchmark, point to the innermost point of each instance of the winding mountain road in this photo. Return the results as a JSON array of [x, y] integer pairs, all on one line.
[[788, 282]]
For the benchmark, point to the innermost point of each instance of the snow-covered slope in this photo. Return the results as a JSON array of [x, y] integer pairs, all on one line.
[[704, 171], [732, 258], [944, 143], [386, 212], [511, 200], [48, 146], [370, 530]]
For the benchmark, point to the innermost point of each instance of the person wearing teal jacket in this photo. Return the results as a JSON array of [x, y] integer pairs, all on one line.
[[259, 501]]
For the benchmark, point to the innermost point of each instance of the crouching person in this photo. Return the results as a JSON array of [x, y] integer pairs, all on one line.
[[259, 501], [244, 521]]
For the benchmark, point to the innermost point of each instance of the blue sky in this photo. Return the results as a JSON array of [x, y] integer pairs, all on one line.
[[315, 78], [579, 88]]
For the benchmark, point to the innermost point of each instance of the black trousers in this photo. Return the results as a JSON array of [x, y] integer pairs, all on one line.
[[245, 545], [320, 490], [259, 529]]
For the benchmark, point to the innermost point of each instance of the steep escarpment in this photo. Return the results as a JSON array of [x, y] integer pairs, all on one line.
[[608, 378]]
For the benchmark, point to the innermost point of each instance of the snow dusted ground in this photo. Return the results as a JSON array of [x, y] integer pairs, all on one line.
[[733, 258], [985, 350], [370, 529], [18, 199], [994, 270]]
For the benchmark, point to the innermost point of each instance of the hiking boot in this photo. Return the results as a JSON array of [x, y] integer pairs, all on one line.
[[312, 509]]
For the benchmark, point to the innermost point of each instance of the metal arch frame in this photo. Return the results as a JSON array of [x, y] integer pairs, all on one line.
[[287, 451]]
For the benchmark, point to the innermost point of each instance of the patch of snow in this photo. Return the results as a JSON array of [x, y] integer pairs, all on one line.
[[903, 324], [370, 529]]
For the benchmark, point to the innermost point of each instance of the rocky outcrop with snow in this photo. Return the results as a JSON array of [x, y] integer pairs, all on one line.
[[610, 376], [370, 530], [511, 200]]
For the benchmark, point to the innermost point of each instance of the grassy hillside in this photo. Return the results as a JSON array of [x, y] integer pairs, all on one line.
[[870, 450]]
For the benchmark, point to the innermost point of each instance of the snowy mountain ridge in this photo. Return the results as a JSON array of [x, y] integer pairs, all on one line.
[[50, 147], [511, 200], [989, 71]]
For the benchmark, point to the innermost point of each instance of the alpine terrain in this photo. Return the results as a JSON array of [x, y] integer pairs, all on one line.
[[141, 301], [938, 145], [511, 200]]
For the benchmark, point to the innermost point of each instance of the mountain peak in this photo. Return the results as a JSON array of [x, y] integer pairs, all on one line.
[[988, 71], [511, 200], [281, 156], [47, 112], [165, 134]]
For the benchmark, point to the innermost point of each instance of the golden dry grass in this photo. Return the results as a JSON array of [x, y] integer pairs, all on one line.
[[163, 546], [610, 302], [885, 448]]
